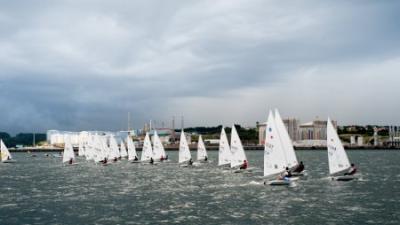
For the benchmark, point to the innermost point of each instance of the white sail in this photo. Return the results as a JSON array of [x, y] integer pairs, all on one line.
[[158, 148], [184, 151], [238, 156], [81, 150], [131, 149], [147, 151], [274, 157], [201, 149], [5, 153], [114, 150], [100, 150], [286, 141], [124, 153], [224, 151], [337, 157], [68, 151]]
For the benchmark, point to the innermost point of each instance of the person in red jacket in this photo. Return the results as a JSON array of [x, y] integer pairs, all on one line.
[[244, 165]]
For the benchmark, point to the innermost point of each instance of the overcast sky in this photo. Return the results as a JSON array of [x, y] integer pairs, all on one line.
[[83, 65]]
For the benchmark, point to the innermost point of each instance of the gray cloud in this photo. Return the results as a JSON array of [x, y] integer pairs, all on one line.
[[85, 65]]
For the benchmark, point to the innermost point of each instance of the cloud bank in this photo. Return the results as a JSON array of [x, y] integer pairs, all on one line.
[[83, 65]]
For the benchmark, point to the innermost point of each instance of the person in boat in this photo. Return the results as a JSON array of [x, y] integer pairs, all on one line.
[[351, 171], [104, 161], [244, 165], [136, 158], [162, 158], [151, 160], [70, 161], [115, 159], [285, 175], [166, 157], [190, 162], [205, 158], [299, 168]]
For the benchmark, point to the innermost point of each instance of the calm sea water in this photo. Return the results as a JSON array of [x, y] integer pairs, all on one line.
[[42, 191]]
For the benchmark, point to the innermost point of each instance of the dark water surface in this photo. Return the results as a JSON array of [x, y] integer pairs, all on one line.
[[42, 191]]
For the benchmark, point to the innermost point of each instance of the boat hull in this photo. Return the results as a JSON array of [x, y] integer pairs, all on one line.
[[343, 178]]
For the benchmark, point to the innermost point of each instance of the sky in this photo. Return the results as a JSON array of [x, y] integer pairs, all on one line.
[[83, 65]]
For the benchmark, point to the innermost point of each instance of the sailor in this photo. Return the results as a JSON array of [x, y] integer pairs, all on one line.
[[166, 157], [190, 162], [205, 158], [351, 171], [136, 158], [244, 165], [151, 160], [70, 161], [105, 161], [285, 175], [299, 168]]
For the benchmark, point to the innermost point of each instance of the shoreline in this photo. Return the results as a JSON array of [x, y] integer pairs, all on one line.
[[215, 148]]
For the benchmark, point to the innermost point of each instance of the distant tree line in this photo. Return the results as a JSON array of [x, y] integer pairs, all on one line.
[[363, 130], [25, 139]]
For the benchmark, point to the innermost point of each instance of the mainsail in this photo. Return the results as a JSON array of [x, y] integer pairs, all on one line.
[[274, 157], [337, 157], [147, 151], [201, 149], [224, 152], [68, 151], [131, 149], [5, 153], [288, 148], [238, 155], [158, 148], [184, 151]]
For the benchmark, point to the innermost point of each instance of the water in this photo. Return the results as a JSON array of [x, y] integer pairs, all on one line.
[[41, 191]]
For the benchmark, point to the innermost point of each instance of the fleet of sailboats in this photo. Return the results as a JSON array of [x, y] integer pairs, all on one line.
[[279, 153]]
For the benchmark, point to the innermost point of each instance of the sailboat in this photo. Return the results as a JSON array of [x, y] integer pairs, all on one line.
[[158, 148], [238, 157], [337, 157], [132, 155], [5, 153], [124, 153], [224, 151], [201, 150], [114, 153], [81, 148], [68, 155], [275, 160], [147, 151], [184, 151]]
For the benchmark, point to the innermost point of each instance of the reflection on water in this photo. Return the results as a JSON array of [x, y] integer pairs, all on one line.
[[42, 191]]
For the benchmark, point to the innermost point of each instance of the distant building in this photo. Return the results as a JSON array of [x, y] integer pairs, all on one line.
[[165, 135], [307, 134], [292, 127], [314, 130]]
